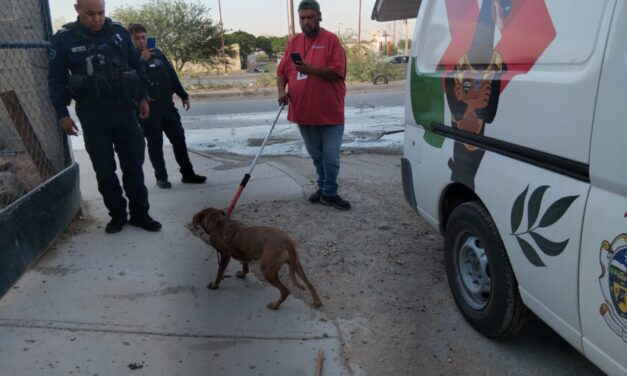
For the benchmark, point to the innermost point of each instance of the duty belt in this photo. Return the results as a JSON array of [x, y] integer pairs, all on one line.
[[106, 102]]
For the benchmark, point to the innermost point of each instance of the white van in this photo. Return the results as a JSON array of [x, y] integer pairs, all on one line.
[[516, 149]]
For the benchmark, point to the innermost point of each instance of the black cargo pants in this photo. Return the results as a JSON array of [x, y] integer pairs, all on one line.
[[110, 127], [165, 118]]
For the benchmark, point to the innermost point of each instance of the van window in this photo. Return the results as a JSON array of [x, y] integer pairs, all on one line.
[[471, 30]]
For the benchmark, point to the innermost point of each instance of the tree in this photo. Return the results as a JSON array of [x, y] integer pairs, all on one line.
[[278, 44], [184, 31], [401, 44], [264, 44], [246, 41]]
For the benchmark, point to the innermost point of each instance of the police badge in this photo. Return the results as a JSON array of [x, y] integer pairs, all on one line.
[[613, 281]]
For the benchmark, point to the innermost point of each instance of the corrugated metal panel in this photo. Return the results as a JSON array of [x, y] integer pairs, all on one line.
[[392, 10]]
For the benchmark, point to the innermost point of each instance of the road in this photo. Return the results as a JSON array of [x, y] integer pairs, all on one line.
[[237, 126], [206, 106]]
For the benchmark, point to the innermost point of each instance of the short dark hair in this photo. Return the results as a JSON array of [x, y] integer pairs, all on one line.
[[136, 28], [309, 4]]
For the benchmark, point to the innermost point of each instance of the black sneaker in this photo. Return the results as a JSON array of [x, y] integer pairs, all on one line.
[[315, 197], [193, 179], [115, 224], [165, 184], [145, 222], [335, 201]]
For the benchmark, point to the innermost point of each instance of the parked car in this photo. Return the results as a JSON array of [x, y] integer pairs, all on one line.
[[261, 68], [515, 150], [392, 68]]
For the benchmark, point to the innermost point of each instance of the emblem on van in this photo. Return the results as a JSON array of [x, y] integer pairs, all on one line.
[[613, 282], [485, 36], [553, 213]]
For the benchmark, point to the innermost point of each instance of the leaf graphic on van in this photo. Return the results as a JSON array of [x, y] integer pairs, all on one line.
[[518, 210], [529, 252], [553, 214], [556, 210], [533, 207], [547, 246]]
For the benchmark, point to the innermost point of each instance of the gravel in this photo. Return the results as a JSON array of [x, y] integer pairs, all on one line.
[[380, 273]]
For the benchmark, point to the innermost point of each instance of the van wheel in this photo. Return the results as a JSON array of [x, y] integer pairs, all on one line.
[[479, 273], [380, 79]]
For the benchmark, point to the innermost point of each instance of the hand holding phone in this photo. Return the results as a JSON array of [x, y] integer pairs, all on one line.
[[296, 57], [151, 42]]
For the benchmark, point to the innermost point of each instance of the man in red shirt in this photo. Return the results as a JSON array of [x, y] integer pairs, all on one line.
[[314, 69]]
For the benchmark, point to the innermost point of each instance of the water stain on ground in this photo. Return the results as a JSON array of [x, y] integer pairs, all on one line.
[[172, 290]]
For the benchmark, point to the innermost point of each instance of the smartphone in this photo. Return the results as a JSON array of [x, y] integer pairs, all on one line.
[[151, 42], [296, 57]]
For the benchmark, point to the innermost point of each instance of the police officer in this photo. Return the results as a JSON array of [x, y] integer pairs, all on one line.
[[164, 117], [93, 61]]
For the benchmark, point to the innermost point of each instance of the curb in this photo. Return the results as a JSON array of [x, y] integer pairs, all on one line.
[[271, 92]]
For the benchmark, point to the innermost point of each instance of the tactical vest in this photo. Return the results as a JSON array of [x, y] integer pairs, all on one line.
[[108, 75], [160, 84]]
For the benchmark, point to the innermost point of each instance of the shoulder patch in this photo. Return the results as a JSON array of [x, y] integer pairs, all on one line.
[[52, 54]]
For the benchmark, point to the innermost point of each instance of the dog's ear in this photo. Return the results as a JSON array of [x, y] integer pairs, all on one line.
[[197, 219], [216, 219]]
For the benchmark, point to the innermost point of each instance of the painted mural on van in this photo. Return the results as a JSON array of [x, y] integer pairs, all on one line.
[[484, 54]]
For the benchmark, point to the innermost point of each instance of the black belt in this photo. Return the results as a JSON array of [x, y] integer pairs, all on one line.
[[106, 102]]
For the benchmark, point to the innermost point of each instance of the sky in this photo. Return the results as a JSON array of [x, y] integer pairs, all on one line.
[[266, 17]]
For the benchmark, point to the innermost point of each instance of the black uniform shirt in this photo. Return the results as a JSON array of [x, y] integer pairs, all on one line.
[[67, 54], [159, 61]]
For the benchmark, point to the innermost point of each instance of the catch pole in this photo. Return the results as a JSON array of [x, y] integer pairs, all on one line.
[[246, 178]]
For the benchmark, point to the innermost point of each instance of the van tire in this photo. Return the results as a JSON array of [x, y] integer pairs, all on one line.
[[380, 79], [479, 273]]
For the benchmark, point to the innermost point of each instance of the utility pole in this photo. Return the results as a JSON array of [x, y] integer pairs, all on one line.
[[292, 29], [222, 36], [359, 27], [385, 36], [393, 35], [406, 39]]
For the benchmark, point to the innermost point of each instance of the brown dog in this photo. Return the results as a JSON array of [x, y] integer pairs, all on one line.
[[272, 246]]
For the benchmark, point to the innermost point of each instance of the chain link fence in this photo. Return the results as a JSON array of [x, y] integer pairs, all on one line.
[[33, 148]]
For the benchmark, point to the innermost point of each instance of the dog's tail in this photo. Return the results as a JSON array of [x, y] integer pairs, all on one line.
[[297, 268], [294, 266]]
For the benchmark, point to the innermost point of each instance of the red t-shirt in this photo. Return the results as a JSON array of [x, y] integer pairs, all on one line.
[[314, 100]]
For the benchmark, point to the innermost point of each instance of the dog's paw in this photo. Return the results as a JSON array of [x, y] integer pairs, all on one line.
[[240, 274], [317, 304], [212, 286], [273, 306]]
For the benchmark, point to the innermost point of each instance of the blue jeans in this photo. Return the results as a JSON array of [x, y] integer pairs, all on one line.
[[323, 142]]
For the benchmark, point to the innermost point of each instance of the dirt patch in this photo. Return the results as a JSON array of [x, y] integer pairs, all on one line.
[[380, 273]]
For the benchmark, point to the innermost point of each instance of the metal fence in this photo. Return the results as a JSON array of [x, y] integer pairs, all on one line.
[[33, 148]]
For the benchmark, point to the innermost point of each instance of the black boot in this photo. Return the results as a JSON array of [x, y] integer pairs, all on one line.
[[116, 224], [146, 222], [193, 178]]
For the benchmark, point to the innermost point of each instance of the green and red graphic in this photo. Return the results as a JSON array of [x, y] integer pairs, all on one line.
[[492, 41]]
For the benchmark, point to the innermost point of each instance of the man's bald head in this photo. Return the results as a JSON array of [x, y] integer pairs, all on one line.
[[91, 14]]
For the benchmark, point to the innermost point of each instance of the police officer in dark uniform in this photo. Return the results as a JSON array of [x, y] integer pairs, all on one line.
[[94, 62], [164, 117]]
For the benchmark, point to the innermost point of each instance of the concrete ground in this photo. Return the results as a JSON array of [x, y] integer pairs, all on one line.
[[135, 303]]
